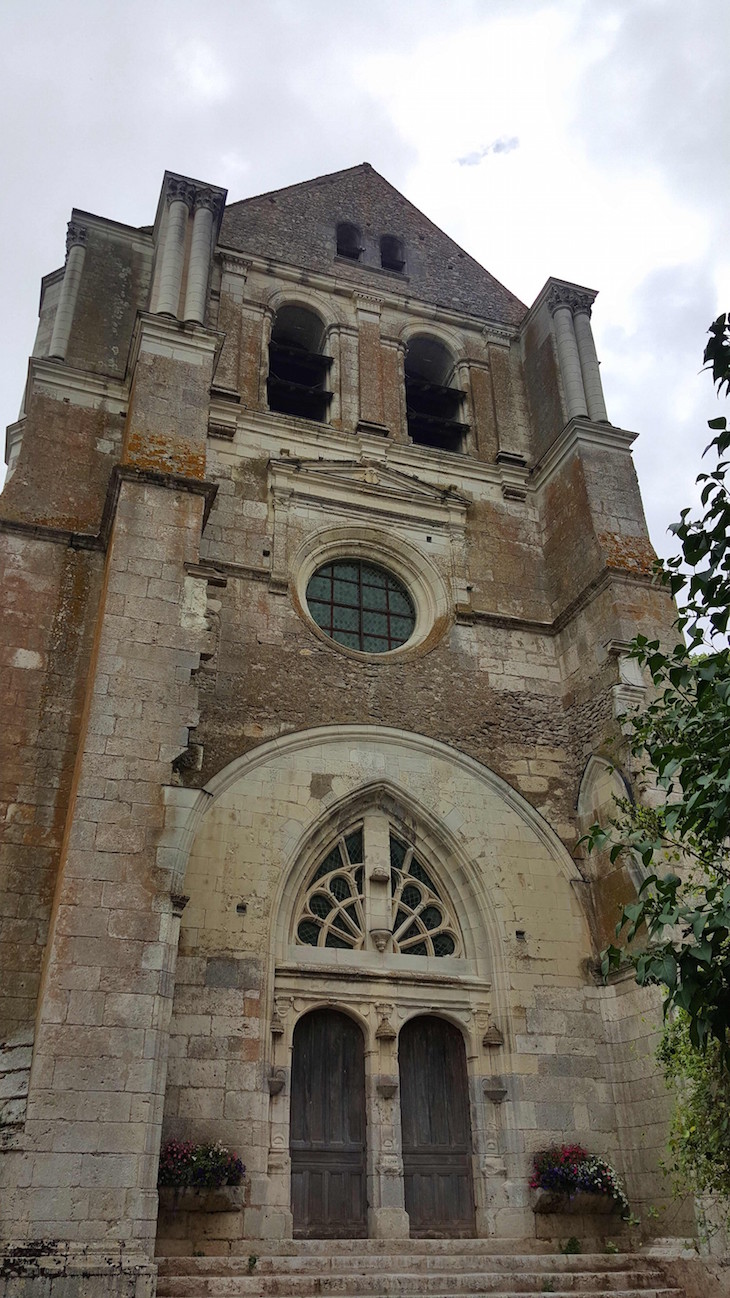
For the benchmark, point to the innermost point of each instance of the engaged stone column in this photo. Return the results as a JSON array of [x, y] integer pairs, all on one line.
[[560, 305], [196, 294], [588, 358], [170, 269], [75, 258]]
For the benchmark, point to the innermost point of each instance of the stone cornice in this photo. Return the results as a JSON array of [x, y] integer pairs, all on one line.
[[339, 287], [78, 386], [185, 340], [576, 434], [560, 292], [76, 236]]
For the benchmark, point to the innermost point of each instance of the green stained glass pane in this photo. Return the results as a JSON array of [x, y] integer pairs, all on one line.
[[353, 843], [308, 932], [348, 638], [319, 588], [346, 592], [400, 628], [374, 597], [320, 613], [419, 948], [374, 576], [399, 603], [374, 623], [345, 619], [373, 644], [397, 852], [400, 918], [346, 571]]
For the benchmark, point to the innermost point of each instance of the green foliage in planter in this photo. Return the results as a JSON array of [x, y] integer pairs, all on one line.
[[205, 1166], [699, 1141]]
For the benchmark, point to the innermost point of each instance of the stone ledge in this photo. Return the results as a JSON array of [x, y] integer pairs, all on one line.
[[581, 1203], [186, 1198]]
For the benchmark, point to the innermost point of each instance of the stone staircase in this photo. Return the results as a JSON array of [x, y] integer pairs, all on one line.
[[422, 1268]]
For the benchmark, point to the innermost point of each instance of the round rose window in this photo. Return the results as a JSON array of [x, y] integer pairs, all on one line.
[[361, 606]]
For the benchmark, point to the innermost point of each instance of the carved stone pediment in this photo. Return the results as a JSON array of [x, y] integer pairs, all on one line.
[[369, 484]]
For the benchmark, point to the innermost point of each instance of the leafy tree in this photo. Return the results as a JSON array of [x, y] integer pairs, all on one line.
[[682, 739], [699, 1137]]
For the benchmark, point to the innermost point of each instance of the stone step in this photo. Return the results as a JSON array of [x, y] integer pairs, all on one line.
[[384, 1286], [399, 1283], [570, 1269], [397, 1248]]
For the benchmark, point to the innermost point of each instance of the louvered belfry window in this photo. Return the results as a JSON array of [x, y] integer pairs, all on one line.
[[341, 902]]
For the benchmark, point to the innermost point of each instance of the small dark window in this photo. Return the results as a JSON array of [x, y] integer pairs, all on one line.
[[433, 403], [298, 371], [349, 241], [391, 253], [361, 606]]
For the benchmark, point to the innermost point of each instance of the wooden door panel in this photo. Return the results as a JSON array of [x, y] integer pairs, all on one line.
[[436, 1129], [328, 1128]]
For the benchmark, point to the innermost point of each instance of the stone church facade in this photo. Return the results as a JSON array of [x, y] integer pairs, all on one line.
[[320, 560]]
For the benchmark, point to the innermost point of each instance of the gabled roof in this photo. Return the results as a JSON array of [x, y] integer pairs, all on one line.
[[298, 225]]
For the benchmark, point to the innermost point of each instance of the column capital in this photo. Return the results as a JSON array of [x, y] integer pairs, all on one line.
[[560, 295], [575, 299], [179, 191], [583, 301], [206, 197], [76, 236]]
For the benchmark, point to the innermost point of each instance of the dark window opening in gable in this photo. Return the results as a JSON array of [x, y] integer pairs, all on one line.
[[433, 402], [298, 371], [392, 256], [349, 241]]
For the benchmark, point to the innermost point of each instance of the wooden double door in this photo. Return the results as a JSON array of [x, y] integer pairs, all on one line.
[[328, 1128]]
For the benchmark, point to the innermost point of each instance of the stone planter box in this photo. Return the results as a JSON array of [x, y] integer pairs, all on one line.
[[224, 1198], [573, 1205]]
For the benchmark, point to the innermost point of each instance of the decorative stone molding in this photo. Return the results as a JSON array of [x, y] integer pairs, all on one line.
[[76, 236], [179, 901], [492, 1037], [232, 264], [275, 1081], [386, 1087], [178, 190], [567, 295], [208, 198]]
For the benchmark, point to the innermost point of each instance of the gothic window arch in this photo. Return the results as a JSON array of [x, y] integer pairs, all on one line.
[[372, 890]]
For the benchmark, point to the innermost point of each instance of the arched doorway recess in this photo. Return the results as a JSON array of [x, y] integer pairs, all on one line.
[[327, 1141], [436, 1127]]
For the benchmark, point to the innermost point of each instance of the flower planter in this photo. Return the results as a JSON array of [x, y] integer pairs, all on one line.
[[580, 1203], [187, 1198]]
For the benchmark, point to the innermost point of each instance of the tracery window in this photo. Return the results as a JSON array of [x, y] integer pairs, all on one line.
[[391, 904]]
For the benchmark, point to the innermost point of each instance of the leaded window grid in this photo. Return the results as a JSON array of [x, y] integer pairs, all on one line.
[[361, 605]]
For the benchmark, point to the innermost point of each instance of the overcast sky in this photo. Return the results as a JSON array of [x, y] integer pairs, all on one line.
[[586, 139]]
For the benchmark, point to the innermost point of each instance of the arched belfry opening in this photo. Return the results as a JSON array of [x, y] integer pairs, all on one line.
[[433, 400], [298, 368]]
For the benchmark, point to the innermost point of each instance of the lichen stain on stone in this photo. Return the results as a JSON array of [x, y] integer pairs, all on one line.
[[163, 454], [627, 553]]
